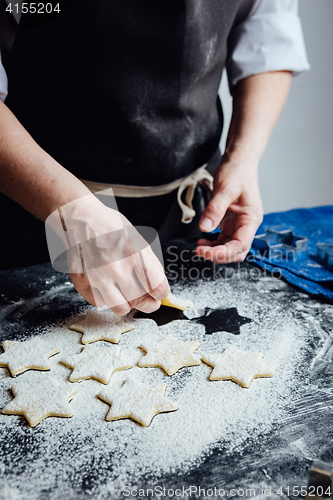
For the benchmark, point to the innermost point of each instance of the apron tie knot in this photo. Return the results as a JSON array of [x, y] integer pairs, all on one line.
[[199, 176]]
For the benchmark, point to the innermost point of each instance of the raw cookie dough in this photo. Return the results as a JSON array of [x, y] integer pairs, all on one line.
[[170, 354], [102, 326], [38, 400], [239, 366], [176, 302], [96, 363], [140, 402], [29, 354]]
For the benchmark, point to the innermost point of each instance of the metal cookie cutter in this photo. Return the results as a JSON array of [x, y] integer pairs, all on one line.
[[325, 253], [320, 480], [279, 244]]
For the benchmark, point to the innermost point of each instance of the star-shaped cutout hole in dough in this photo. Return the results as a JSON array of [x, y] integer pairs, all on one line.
[[170, 354], [222, 320], [102, 326], [41, 399], [163, 315], [172, 301], [140, 402], [239, 366], [96, 363], [31, 354]]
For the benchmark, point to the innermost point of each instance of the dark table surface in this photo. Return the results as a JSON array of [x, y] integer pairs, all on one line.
[[36, 296]]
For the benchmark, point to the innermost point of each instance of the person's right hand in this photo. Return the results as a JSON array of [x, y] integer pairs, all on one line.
[[109, 262]]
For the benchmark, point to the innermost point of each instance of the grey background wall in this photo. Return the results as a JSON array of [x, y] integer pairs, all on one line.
[[297, 167]]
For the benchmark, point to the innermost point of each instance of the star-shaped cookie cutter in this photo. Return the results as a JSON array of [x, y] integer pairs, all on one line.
[[283, 244], [325, 253]]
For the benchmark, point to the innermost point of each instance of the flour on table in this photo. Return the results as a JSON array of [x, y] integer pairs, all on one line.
[[99, 364], [170, 354], [239, 366], [60, 456], [29, 354], [43, 398], [103, 325], [176, 302], [140, 402]]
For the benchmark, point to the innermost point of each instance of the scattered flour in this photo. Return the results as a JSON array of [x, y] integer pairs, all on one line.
[[135, 400], [239, 366], [96, 363], [29, 354], [220, 414], [102, 325], [41, 398], [170, 354]]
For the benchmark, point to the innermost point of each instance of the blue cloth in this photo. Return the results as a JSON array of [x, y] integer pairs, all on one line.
[[306, 271]]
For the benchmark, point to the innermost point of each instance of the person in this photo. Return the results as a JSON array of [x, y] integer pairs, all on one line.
[[125, 94]]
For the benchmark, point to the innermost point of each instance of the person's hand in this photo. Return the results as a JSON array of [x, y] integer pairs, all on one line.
[[235, 207], [108, 260]]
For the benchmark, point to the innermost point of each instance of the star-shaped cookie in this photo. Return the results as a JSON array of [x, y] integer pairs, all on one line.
[[38, 400], [102, 326], [176, 302], [140, 402], [239, 366], [96, 363], [170, 354], [29, 354]]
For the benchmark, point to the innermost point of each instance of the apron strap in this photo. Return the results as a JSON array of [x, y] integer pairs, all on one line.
[[189, 183]]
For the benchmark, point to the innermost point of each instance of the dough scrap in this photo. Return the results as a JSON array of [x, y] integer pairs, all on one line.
[[102, 326], [170, 354], [176, 302], [31, 354], [140, 402], [41, 399], [240, 366], [96, 363]]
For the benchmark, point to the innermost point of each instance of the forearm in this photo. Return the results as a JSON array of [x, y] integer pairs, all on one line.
[[257, 104], [29, 175], [236, 205]]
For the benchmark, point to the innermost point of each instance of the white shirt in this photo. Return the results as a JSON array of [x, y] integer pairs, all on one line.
[[266, 36]]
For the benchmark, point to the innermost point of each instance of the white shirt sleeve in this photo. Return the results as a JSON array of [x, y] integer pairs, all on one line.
[[3, 82], [268, 38], [3, 76]]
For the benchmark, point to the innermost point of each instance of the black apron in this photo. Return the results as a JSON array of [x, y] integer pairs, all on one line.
[[124, 92]]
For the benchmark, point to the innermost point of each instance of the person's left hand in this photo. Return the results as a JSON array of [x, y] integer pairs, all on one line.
[[235, 207]]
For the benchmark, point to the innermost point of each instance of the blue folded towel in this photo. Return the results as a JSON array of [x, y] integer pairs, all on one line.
[[305, 270]]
